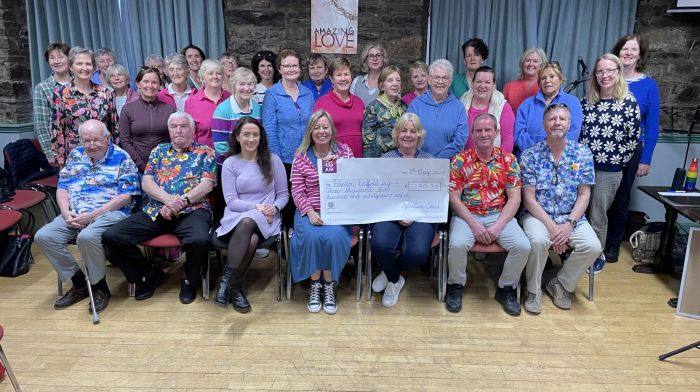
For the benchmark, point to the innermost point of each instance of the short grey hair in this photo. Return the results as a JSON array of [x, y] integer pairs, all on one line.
[[178, 60], [153, 57], [241, 74], [103, 127], [444, 64], [105, 51], [210, 65], [116, 69], [181, 115], [77, 50]]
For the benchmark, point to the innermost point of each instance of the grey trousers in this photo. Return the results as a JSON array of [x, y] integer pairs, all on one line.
[[583, 241], [53, 238], [511, 239], [602, 196]]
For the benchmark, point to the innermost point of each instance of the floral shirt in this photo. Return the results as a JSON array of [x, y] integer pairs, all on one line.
[[92, 185], [72, 108], [178, 172], [556, 184], [378, 122], [483, 184], [611, 130]]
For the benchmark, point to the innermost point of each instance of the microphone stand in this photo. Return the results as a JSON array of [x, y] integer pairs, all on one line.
[[584, 78]]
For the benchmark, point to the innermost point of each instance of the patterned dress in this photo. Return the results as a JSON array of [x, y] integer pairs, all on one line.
[[72, 108], [378, 123]]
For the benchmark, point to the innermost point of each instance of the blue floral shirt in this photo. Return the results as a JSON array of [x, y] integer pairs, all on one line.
[[92, 185], [178, 172], [555, 184]]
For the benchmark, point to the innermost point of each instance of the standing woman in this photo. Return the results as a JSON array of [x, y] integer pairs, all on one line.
[[418, 72], [77, 102], [56, 55], [264, 66], [528, 129], [381, 115], [202, 104], [611, 130], [255, 190], [286, 111], [366, 86], [345, 109], [230, 63], [411, 239], [475, 53], [516, 91], [178, 91], [631, 50], [195, 57], [143, 123], [118, 79], [318, 251]]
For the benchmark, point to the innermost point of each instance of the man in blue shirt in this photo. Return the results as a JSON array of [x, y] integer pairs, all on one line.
[[95, 191], [557, 175]]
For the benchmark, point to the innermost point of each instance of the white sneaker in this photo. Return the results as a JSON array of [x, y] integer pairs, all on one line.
[[379, 283], [314, 304], [391, 294], [329, 305], [262, 253], [533, 303]]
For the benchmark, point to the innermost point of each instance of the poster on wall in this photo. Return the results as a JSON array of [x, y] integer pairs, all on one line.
[[334, 26]]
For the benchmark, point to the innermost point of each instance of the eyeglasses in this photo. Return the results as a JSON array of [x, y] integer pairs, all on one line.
[[289, 66], [606, 72], [556, 106], [95, 142], [375, 56], [443, 79]]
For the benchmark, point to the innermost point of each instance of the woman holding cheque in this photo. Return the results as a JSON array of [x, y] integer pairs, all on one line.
[[318, 251], [413, 239]]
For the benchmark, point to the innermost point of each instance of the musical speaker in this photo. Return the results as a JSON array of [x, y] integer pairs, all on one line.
[[678, 180]]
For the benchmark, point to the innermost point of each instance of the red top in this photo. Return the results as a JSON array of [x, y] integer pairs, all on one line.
[[347, 117], [516, 91]]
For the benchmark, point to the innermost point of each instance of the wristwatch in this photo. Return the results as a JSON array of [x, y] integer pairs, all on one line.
[[573, 222]]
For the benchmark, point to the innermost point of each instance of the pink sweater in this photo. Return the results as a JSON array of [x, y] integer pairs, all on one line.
[[347, 117], [505, 124], [202, 109]]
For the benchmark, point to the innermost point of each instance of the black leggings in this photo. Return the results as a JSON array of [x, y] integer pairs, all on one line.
[[241, 247]]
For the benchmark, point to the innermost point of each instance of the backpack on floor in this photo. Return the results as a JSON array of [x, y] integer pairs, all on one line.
[[646, 242]]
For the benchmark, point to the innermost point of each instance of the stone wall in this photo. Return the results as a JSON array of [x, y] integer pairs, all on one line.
[[673, 56], [15, 79], [253, 25]]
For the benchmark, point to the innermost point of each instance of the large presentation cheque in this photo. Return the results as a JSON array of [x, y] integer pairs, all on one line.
[[367, 190]]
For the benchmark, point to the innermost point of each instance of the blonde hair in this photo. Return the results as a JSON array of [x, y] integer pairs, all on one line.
[[365, 53], [401, 122], [620, 89], [241, 74], [539, 51], [308, 141], [555, 67]]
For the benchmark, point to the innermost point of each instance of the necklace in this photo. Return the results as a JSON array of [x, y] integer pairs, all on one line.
[[321, 156]]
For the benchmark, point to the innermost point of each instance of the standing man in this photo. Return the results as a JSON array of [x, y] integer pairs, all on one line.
[[178, 177], [557, 179], [484, 197], [94, 192]]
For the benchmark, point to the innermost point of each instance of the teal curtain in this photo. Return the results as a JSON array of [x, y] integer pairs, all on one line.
[[565, 29], [132, 28]]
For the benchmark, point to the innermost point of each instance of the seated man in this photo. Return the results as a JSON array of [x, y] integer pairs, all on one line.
[[178, 177], [94, 192], [484, 197], [557, 178]]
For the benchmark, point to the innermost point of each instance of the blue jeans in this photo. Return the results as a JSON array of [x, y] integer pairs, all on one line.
[[412, 241]]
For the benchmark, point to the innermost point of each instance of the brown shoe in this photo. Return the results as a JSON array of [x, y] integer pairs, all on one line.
[[73, 296]]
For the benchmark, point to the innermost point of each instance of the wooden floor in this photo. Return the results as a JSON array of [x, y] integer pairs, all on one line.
[[611, 344]]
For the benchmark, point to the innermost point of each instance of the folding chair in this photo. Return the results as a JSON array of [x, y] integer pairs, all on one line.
[[6, 364]]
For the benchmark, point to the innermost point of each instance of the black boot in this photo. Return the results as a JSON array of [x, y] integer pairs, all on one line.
[[222, 292], [238, 299]]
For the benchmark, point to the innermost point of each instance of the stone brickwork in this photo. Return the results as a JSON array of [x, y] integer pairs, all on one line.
[[253, 25], [673, 55], [15, 78]]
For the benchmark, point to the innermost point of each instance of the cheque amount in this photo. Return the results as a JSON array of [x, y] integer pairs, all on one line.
[[423, 186]]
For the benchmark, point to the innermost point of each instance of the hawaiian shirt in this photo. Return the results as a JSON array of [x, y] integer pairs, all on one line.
[[178, 172], [92, 185], [72, 108], [556, 184], [483, 184]]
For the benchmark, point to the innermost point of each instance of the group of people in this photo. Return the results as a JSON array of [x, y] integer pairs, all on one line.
[[223, 147]]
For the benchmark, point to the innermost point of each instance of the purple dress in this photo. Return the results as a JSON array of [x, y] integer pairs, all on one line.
[[244, 187]]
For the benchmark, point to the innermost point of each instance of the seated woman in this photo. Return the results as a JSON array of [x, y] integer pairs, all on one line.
[[381, 114], [413, 239], [418, 72], [317, 250], [255, 189], [483, 97], [118, 79], [516, 91]]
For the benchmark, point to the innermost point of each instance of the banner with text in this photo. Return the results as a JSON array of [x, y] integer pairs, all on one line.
[[368, 190], [334, 26]]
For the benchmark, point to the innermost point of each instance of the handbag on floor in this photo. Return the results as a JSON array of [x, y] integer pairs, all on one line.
[[646, 242], [17, 253]]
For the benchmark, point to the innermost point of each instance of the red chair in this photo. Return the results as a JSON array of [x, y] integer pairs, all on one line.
[[25, 199], [9, 218], [6, 364]]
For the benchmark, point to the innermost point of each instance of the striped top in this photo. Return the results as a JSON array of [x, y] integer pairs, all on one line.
[[225, 118], [305, 188]]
